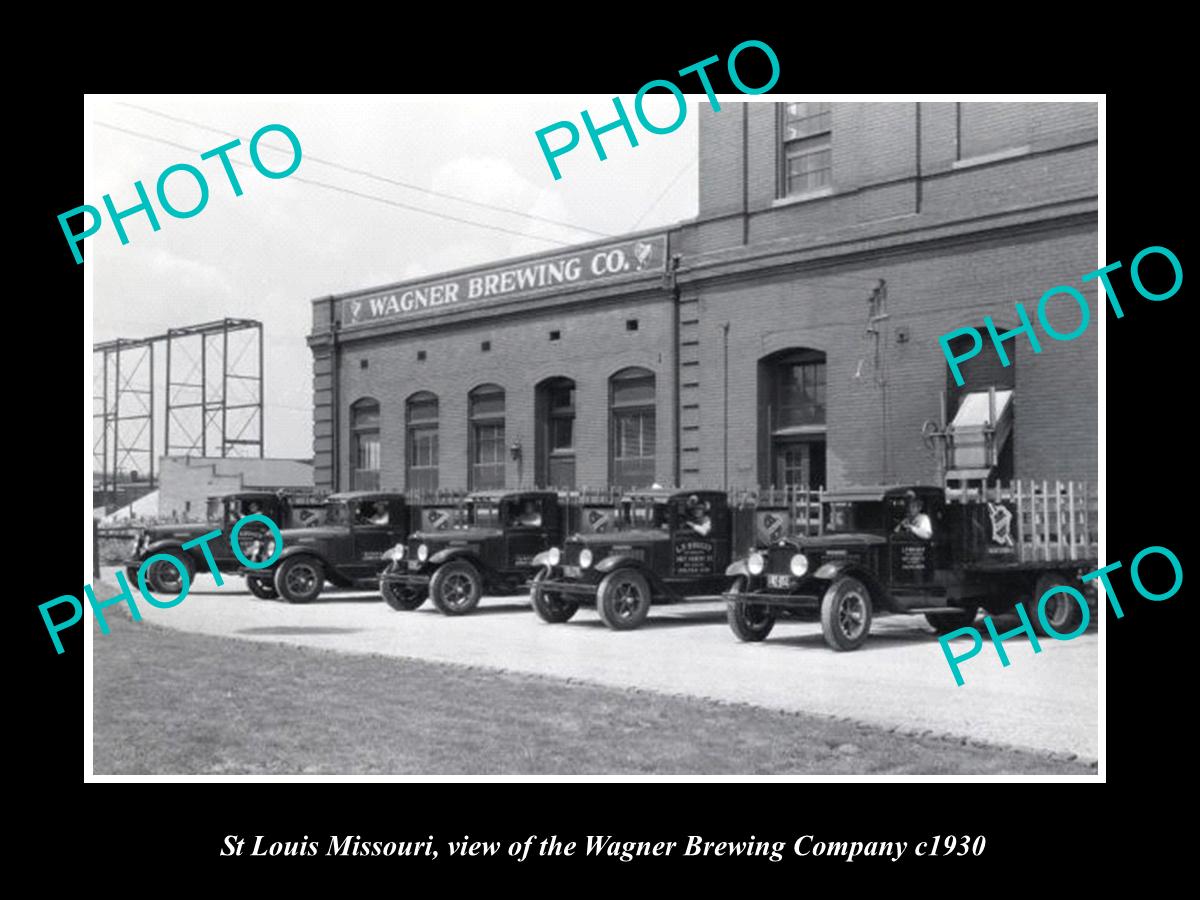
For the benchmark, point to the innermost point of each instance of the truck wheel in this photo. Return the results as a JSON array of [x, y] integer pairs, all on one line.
[[403, 597], [749, 621], [846, 614], [623, 599], [1062, 612], [299, 579], [262, 587], [456, 588], [163, 578], [550, 605], [952, 619]]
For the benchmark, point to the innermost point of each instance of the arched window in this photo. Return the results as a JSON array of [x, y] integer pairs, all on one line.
[[632, 444], [556, 433], [487, 449], [421, 421], [792, 418], [364, 445]]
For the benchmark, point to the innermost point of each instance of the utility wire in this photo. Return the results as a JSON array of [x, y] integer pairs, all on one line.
[[367, 174], [353, 193], [658, 199]]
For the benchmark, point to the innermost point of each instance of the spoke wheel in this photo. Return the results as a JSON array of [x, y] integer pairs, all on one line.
[[299, 579], [456, 588], [1063, 614], [164, 578], [262, 587], [846, 614], [623, 599], [749, 621], [550, 606], [403, 597]]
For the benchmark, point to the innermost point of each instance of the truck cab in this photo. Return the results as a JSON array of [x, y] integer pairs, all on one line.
[[663, 546], [346, 549], [488, 546], [285, 508]]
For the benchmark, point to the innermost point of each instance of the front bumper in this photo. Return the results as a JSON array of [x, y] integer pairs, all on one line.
[[567, 587], [408, 579], [800, 593]]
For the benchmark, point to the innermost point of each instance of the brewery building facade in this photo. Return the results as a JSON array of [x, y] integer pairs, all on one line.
[[787, 335]]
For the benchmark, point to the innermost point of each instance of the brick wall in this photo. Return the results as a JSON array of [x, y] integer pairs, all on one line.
[[594, 344], [930, 291]]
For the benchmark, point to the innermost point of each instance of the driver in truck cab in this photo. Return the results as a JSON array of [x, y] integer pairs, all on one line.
[[916, 522]]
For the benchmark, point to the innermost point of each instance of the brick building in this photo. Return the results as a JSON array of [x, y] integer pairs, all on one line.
[[788, 334]]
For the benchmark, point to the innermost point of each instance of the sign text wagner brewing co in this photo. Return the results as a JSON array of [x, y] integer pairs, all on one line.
[[593, 265]]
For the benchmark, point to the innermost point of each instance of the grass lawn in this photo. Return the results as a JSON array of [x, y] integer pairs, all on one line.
[[167, 702]]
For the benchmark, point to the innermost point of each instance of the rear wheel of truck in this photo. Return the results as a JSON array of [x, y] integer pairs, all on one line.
[[1063, 612], [163, 578], [623, 599], [262, 587], [299, 579], [403, 597], [951, 619], [456, 588], [749, 621], [846, 614], [549, 605]]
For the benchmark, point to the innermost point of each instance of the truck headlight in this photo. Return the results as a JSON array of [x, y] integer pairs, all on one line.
[[754, 563], [799, 564], [585, 558], [423, 552], [554, 555]]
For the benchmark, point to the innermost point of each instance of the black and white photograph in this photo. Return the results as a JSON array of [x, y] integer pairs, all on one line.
[[679, 434]]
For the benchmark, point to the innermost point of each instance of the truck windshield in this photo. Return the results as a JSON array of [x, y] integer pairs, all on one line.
[[216, 510], [644, 514], [484, 514], [336, 514], [844, 517]]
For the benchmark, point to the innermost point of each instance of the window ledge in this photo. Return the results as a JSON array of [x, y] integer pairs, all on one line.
[[984, 158], [803, 198]]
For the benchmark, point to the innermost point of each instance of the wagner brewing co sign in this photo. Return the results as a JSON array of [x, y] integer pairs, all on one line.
[[591, 266]]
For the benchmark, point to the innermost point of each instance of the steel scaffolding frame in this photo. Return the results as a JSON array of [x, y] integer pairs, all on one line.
[[220, 413]]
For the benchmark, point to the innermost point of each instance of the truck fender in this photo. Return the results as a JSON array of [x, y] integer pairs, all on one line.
[[738, 568], [542, 559], [168, 546], [297, 550], [612, 563], [829, 571]]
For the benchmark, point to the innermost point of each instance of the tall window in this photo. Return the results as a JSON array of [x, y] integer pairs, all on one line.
[[806, 129], [556, 433], [422, 423], [632, 459], [792, 418], [364, 445], [487, 437]]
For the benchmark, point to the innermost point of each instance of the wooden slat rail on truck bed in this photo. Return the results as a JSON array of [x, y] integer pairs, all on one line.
[[1052, 520]]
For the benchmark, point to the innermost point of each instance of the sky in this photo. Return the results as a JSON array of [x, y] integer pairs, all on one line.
[[267, 253]]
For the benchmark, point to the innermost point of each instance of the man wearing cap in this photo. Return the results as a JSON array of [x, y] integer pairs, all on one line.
[[698, 518], [916, 522]]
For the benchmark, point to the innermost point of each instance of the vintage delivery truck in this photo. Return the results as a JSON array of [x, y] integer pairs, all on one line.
[[939, 552]]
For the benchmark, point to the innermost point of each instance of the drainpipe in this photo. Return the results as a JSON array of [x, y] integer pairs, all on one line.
[[725, 368], [335, 392], [673, 280]]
